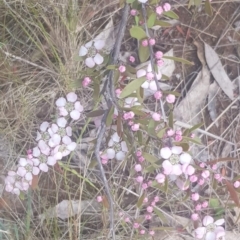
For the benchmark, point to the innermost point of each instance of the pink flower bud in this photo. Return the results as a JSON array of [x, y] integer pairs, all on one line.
[[201, 181], [156, 117], [145, 43], [179, 132], [135, 127], [205, 204], [158, 95], [153, 204], [151, 41], [170, 132], [190, 170], [205, 174], [151, 233], [194, 217], [142, 232], [127, 219], [202, 165], [170, 98], [134, 12], [144, 186], [150, 209], [138, 168], [145, 200], [159, 10], [130, 123], [214, 167], [149, 76], [122, 69], [156, 199], [236, 184], [158, 55], [139, 179], [148, 217], [198, 207], [118, 92], [160, 62], [178, 138], [141, 159], [149, 183], [192, 135], [136, 225], [195, 196], [86, 81], [166, 7], [99, 199], [139, 153], [193, 178], [132, 59]]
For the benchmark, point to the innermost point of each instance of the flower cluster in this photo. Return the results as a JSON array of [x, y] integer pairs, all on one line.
[[53, 143]]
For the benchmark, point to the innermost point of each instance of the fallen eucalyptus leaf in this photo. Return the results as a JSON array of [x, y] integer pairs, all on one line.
[[218, 71], [212, 102]]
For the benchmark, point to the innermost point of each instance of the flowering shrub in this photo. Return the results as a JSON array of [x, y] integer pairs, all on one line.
[[172, 165]]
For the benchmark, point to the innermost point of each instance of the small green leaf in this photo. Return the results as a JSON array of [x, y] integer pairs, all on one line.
[[137, 20], [171, 14], [181, 60], [110, 117], [130, 69], [132, 86], [185, 146], [214, 203], [173, 93], [140, 201], [95, 113], [137, 32], [151, 168], [164, 77], [143, 53], [194, 140], [160, 215], [197, 3], [151, 20], [162, 23], [130, 1], [22, 196], [96, 91], [151, 127], [195, 127], [161, 133], [111, 67], [208, 8], [170, 120], [150, 158]]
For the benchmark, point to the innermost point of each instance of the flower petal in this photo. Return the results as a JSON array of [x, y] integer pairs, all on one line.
[[43, 167], [120, 156], [78, 106], [110, 153], [124, 146], [219, 222], [71, 147], [89, 44], [83, 51], [66, 140], [51, 160], [21, 171], [36, 152], [35, 171], [176, 169], [145, 85], [141, 73], [44, 147], [28, 176], [149, 67], [72, 97], [58, 156], [69, 131], [153, 86], [44, 126], [61, 102], [54, 128], [98, 59], [61, 122], [39, 136], [207, 220], [63, 111], [199, 232], [22, 162], [99, 44], [75, 115], [115, 137], [90, 62], [165, 152], [35, 161], [176, 150], [185, 158], [210, 236], [167, 166]]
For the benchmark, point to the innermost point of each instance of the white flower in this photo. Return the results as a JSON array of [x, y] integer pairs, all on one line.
[[131, 102], [149, 83], [91, 51], [211, 230], [70, 106], [142, 1], [175, 161], [28, 168], [117, 148]]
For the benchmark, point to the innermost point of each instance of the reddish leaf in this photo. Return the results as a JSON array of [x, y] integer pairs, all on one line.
[[34, 182], [233, 193], [221, 160], [119, 125], [57, 168], [105, 202]]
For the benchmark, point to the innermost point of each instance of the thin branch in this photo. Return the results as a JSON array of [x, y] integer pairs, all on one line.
[[111, 101], [152, 59]]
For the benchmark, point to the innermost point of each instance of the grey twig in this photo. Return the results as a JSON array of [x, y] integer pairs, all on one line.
[[152, 59], [111, 100]]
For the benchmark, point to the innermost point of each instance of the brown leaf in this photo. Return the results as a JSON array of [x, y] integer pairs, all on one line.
[[35, 182], [57, 168], [119, 125], [233, 193], [221, 160], [105, 202]]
